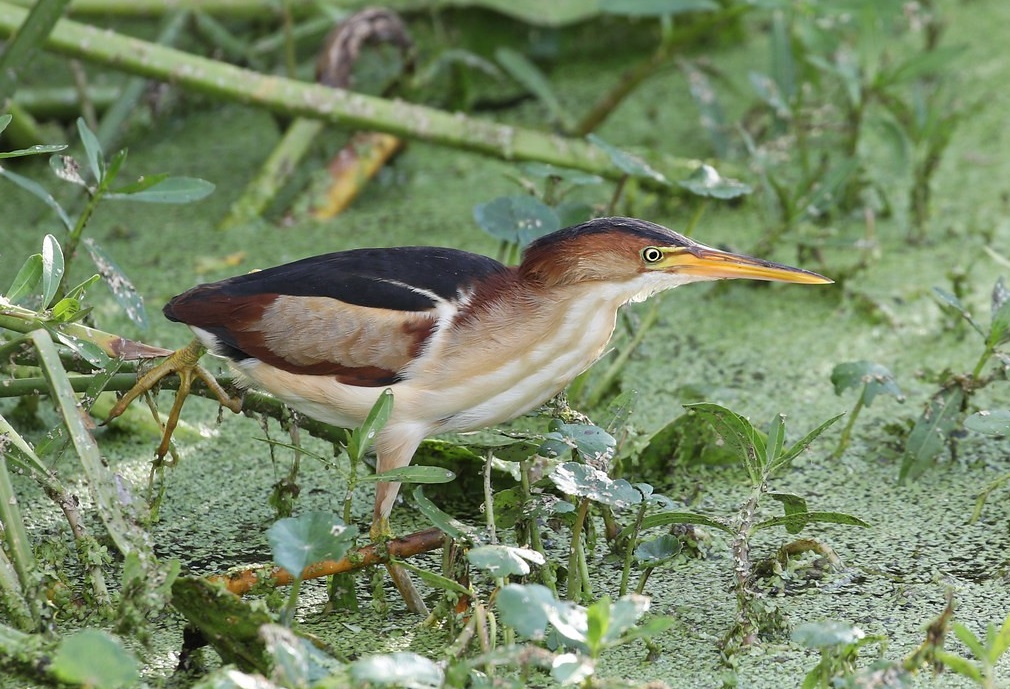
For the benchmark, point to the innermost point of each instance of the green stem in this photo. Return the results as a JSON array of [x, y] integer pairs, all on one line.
[[846, 436], [982, 361], [629, 550], [112, 126], [29, 33], [21, 556], [574, 578], [695, 217], [489, 500], [127, 537], [288, 614], [299, 99], [74, 238]]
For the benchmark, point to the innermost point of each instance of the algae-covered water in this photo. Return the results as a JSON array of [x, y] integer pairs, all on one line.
[[759, 351]]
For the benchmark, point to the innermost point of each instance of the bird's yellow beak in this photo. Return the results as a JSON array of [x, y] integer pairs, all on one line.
[[715, 264]]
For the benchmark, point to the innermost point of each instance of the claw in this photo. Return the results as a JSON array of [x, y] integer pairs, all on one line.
[[185, 363]]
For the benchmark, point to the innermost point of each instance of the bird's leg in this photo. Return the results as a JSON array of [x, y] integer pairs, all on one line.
[[391, 455], [184, 362]]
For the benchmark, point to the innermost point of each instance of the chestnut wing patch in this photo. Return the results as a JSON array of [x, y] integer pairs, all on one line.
[[360, 316]]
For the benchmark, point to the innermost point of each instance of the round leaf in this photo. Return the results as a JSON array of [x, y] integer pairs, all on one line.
[[523, 607], [95, 659], [503, 560], [298, 542], [658, 550], [995, 422], [875, 378], [706, 181], [573, 478], [516, 219], [402, 669], [827, 634]]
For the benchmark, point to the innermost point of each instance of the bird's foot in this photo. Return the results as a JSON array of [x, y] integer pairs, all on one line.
[[185, 363], [381, 533]]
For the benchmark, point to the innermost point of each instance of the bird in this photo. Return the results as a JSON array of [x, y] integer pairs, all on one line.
[[462, 341]]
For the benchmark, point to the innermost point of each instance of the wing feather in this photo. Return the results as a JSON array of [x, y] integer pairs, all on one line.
[[361, 316]]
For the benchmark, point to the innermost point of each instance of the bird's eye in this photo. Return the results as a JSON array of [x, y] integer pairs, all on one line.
[[651, 254]]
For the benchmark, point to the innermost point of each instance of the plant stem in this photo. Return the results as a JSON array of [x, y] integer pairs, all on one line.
[[28, 35], [316, 101], [112, 125], [629, 548], [846, 435], [574, 564], [21, 556], [489, 500], [127, 537]]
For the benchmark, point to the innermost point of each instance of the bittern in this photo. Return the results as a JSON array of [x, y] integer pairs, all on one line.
[[463, 341]]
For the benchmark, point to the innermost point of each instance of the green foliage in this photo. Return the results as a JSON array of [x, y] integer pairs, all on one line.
[[874, 378], [839, 644], [95, 659], [945, 410]]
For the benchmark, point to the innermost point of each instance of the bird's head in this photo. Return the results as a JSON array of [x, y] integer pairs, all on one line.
[[626, 250]]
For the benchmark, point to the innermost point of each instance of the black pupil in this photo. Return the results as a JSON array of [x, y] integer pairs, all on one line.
[[652, 255]]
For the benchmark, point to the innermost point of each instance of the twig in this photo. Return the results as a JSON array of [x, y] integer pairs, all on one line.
[[421, 542], [293, 98]]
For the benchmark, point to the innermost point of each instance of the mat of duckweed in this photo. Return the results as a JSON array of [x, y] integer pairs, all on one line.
[[759, 351]]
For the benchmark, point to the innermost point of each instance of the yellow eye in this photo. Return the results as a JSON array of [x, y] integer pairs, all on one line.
[[651, 254]]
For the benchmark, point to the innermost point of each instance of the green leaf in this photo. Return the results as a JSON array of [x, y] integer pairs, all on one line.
[[516, 219], [573, 478], [667, 518], [795, 522], [92, 151], [523, 607], [656, 8], [591, 442], [931, 431], [37, 190], [961, 666], [5, 120], [597, 624], [737, 432], [572, 668], [52, 269], [802, 444], [656, 551], [362, 437], [87, 350], [424, 474], [776, 436], [968, 638], [791, 504], [999, 325], [624, 614], [874, 378], [401, 669], [995, 422], [1000, 642], [533, 80], [298, 542], [503, 560], [629, 164], [95, 659], [174, 190], [950, 302], [142, 184], [112, 169], [436, 580], [562, 174], [706, 181], [34, 150], [827, 634], [27, 280], [448, 524], [125, 294]]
